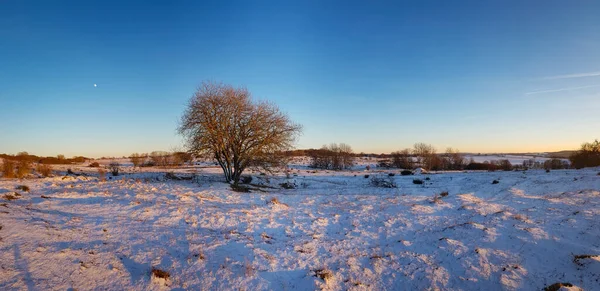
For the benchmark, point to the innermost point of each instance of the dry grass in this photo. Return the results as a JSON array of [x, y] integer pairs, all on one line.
[[44, 170], [557, 286], [23, 169], [23, 188], [578, 258], [323, 274], [158, 273], [520, 217], [101, 175], [8, 169], [11, 197]]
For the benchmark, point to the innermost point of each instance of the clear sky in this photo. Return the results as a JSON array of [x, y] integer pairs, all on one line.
[[480, 76]]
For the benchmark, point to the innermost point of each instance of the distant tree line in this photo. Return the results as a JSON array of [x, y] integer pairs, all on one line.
[[58, 160], [161, 159]]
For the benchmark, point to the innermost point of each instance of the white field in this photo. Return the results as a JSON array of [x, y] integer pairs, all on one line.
[[335, 232]]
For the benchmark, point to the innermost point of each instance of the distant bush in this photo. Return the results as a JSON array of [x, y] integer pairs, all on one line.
[[402, 159], [8, 168], [453, 160], [406, 173], [333, 157], [384, 164], [587, 156], [115, 168], [481, 166], [391, 174], [23, 168], [44, 170], [495, 182], [137, 159], [366, 176], [382, 182], [94, 165], [418, 181]]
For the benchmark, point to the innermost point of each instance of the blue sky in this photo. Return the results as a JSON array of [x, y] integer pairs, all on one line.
[[480, 76]]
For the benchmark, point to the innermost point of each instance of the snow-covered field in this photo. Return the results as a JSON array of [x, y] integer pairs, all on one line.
[[334, 232]]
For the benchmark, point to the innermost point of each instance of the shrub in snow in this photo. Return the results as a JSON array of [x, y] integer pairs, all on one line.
[[366, 176], [44, 170], [8, 169], [288, 185], [161, 277], [23, 168], [383, 182], [114, 167], [332, 157], [561, 286], [94, 165], [495, 182], [444, 194], [406, 173], [427, 179], [391, 174], [23, 188], [418, 181], [323, 274]]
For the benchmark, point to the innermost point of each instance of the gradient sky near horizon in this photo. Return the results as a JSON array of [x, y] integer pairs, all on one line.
[[480, 76]]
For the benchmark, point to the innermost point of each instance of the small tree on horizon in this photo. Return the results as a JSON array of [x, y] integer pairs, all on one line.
[[224, 122]]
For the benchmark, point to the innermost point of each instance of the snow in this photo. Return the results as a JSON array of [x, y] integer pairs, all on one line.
[[334, 232]]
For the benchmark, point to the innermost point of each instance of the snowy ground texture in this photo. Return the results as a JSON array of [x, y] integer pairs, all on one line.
[[334, 232]]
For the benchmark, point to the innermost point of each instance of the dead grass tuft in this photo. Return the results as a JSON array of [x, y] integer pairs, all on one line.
[[44, 170], [8, 169], [158, 273], [323, 274], [577, 258], [11, 197], [557, 286], [520, 217], [23, 188], [102, 175]]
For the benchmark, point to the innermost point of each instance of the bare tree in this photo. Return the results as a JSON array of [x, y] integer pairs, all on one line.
[[425, 154], [334, 156], [160, 158], [453, 159], [137, 159], [402, 159], [224, 121]]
